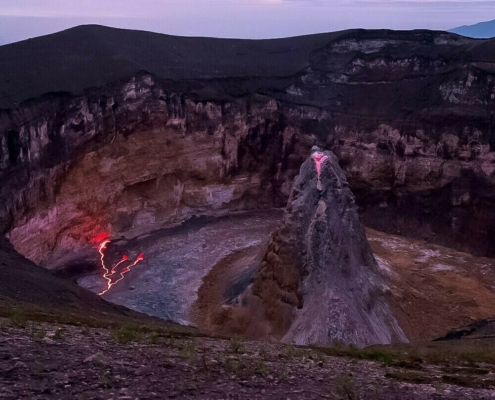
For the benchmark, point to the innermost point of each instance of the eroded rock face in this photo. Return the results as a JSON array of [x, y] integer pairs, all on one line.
[[410, 116], [140, 159], [319, 281]]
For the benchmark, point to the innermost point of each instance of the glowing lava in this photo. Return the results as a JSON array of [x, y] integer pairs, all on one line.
[[108, 273], [100, 238], [101, 249], [319, 158], [124, 271]]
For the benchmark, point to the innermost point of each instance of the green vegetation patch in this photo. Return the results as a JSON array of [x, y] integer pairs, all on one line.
[[124, 335]]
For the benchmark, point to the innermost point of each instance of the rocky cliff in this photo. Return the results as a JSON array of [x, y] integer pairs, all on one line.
[[124, 132]]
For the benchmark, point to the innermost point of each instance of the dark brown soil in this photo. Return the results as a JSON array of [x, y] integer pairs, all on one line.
[[207, 312], [433, 288]]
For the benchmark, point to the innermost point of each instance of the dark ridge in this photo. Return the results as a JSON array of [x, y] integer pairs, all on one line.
[[92, 56]]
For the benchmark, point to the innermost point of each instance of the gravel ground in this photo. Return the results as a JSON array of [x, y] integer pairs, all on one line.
[[44, 361]]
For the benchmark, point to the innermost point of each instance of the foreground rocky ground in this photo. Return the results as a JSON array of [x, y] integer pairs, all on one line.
[[43, 361]]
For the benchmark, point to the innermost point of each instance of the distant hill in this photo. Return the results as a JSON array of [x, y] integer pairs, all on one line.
[[482, 30]]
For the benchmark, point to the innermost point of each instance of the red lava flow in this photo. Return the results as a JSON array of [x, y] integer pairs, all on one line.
[[124, 271], [108, 273], [319, 158]]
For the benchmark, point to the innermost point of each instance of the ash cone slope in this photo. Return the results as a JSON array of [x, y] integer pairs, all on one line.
[[319, 282]]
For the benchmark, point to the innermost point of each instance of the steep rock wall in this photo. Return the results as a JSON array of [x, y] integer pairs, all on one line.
[[409, 114], [139, 159]]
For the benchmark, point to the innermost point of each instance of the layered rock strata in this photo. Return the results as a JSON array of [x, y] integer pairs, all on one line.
[[409, 114]]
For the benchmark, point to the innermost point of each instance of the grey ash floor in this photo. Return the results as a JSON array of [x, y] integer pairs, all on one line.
[[165, 284]]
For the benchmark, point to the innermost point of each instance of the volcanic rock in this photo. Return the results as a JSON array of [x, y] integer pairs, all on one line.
[[319, 282], [108, 139], [223, 125], [479, 329]]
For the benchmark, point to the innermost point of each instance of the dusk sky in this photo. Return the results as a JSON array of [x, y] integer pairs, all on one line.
[[22, 19]]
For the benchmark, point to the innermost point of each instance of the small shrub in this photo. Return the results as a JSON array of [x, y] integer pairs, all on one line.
[[235, 345], [219, 359], [339, 344], [58, 333], [145, 328], [19, 319], [354, 351], [472, 358], [379, 355], [407, 364], [124, 335], [155, 337], [188, 351], [263, 369], [231, 365], [346, 388], [288, 351]]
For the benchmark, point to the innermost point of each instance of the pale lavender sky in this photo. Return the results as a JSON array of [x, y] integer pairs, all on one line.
[[22, 19]]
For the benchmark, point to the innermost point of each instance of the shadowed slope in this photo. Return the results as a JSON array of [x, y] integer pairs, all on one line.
[[92, 55], [28, 287]]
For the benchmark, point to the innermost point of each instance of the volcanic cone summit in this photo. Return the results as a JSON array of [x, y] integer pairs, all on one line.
[[319, 281]]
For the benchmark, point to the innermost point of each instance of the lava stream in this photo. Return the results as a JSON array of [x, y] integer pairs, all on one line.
[[101, 249], [109, 272], [124, 271]]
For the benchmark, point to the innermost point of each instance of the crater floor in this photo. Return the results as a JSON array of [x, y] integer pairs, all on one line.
[[190, 269], [177, 259]]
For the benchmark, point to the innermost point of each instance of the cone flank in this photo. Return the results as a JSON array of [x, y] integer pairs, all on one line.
[[319, 282]]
